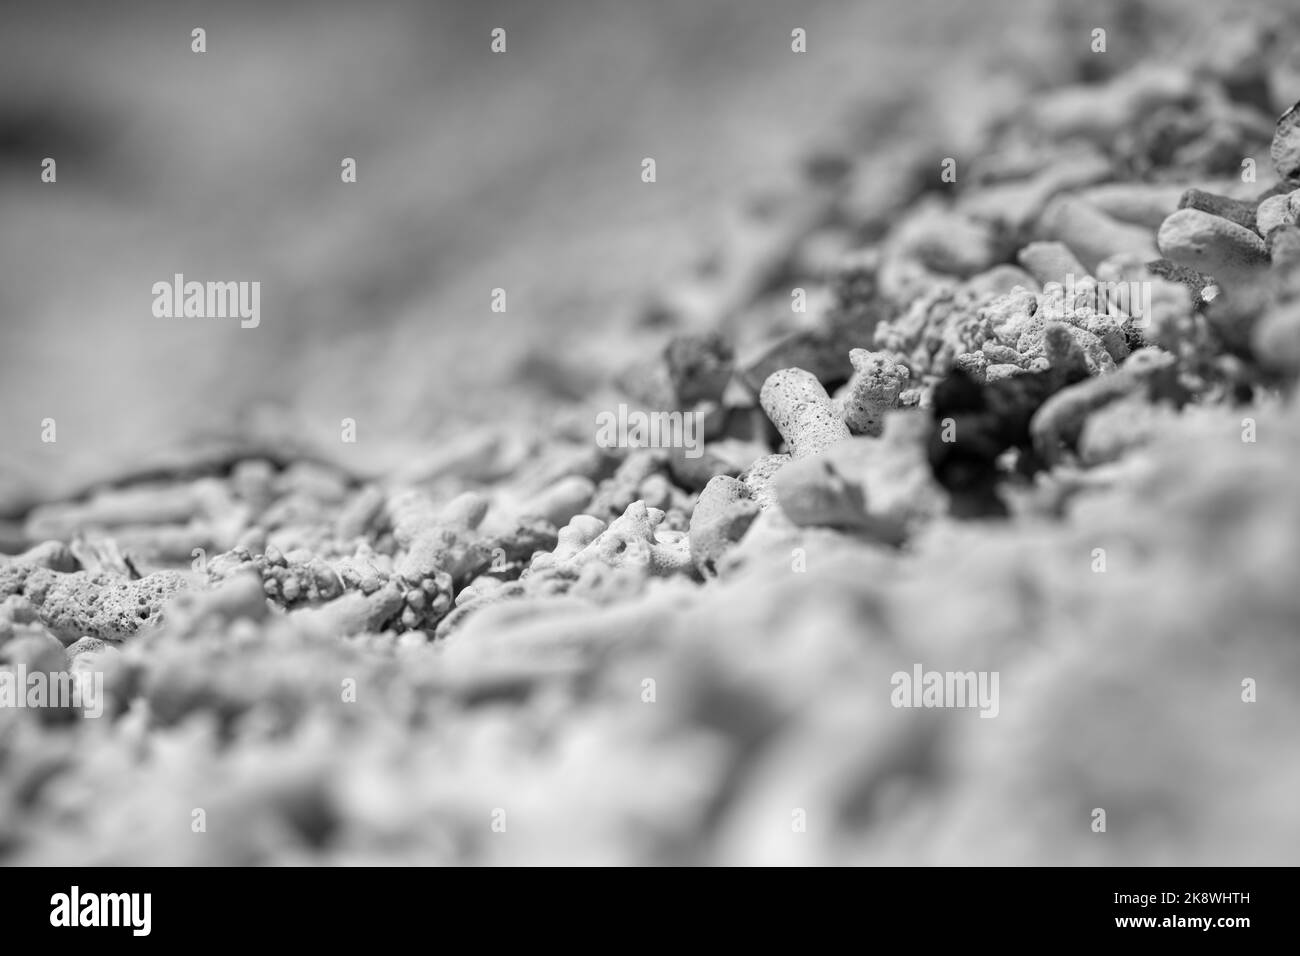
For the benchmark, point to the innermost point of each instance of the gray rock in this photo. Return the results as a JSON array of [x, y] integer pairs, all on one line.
[[1210, 244], [1234, 210], [1277, 211], [1285, 151]]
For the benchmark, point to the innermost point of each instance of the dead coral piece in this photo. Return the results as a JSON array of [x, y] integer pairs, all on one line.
[[894, 471], [1092, 235], [721, 517], [241, 595], [765, 605], [614, 494], [1285, 150], [1050, 262], [858, 305], [353, 613], [1143, 204], [78, 604], [1012, 207], [361, 513], [1060, 420], [997, 372], [1202, 288], [1112, 431], [823, 354], [632, 539], [50, 555], [999, 280], [975, 424], [948, 242], [812, 491], [802, 412], [1225, 207], [436, 540], [758, 479], [561, 501], [1277, 339], [874, 389], [1276, 212], [699, 367], [938, 327], [1101, 113]]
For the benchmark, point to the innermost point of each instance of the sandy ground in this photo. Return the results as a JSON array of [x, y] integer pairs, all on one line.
[[1122, 691]]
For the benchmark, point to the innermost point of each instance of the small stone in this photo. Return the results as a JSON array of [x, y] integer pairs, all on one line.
[[86, 645], [1211, 244], [699, 367], [728, 457], [1234, 210], [1277, 211], [822, 353]]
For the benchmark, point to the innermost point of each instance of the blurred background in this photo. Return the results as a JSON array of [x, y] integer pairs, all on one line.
[[476, 171]]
